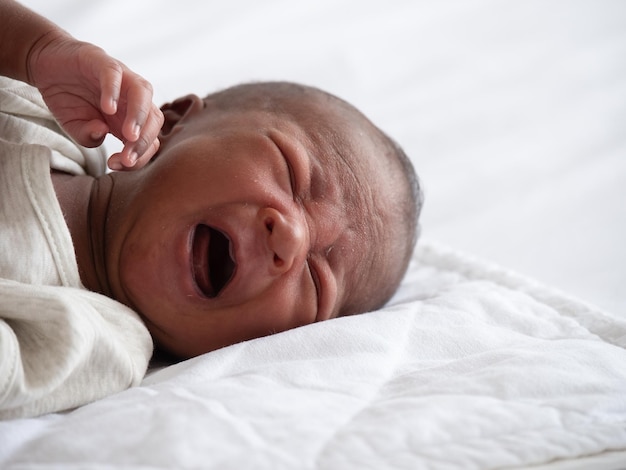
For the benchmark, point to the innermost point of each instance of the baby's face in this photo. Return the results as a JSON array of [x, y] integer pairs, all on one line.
[[249, 223]]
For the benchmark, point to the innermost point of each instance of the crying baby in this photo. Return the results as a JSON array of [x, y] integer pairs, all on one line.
[[267, 207]]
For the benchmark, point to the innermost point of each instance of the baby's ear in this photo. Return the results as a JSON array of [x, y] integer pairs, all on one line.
[[176, 112]]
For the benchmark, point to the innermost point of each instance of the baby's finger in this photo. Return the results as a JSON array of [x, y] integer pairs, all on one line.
[[115, 162], [138, 107], [110, 84], [87, 134], [127, 159], [144, 144], [147, 156]]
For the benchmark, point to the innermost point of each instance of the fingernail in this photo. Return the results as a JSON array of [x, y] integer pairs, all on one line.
[[115, 165], [96, 135], [132, 158], [137, 130]]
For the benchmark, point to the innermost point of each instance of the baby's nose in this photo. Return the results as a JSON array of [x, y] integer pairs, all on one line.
[[286, 239]]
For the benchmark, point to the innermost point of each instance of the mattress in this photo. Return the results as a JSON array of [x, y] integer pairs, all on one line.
[[504, 347]]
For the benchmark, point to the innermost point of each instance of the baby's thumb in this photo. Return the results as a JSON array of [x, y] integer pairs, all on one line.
[[90, 134]]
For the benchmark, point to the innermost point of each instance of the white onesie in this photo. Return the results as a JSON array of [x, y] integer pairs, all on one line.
[[61, 346]]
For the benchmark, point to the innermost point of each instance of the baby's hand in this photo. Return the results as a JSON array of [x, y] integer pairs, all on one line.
[[92, 94]]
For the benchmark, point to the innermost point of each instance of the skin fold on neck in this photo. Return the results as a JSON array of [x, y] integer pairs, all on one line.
[[85, 201]]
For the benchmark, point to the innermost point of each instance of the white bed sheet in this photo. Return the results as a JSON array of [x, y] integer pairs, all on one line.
[[515, 117]]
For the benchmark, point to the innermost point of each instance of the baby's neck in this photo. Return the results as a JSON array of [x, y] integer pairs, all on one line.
[[84, 201]]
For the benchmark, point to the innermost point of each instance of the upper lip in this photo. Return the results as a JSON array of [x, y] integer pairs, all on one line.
[[212, 260]]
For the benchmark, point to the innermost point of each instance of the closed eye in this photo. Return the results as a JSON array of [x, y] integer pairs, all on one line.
[[292, 176]]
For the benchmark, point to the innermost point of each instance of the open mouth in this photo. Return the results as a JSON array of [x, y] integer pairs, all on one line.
[[212, 263]]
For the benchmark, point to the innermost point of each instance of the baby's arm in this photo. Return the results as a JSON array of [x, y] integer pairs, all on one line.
[[89, 92], [62, 347]]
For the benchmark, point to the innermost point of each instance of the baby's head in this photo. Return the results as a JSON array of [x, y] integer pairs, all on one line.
[[269, 206]]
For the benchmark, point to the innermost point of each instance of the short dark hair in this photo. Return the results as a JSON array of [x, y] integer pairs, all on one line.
[[408, 211]]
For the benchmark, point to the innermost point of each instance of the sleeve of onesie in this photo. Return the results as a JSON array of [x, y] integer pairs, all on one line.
[[63, 347]]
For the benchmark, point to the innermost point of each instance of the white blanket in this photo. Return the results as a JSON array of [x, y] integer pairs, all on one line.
[[482, 369]]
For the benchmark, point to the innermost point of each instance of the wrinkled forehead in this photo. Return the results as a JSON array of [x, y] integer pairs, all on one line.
[[369, 187], [351, 148]]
